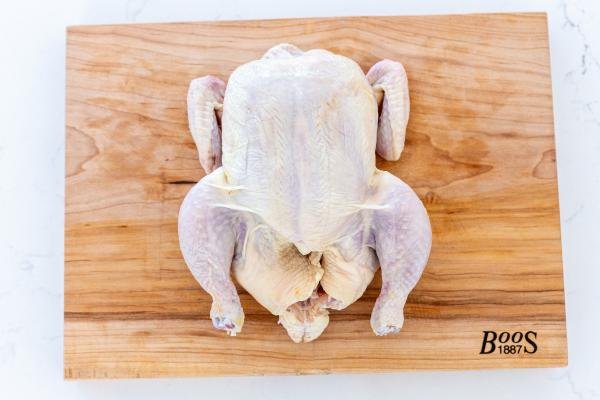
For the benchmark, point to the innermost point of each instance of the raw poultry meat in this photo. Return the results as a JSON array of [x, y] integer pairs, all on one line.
[[293, 206]]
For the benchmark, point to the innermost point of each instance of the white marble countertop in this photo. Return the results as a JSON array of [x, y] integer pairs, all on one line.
[[32, 77]]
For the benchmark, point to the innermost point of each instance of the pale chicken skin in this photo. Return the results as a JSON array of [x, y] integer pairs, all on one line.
[[293, 206]]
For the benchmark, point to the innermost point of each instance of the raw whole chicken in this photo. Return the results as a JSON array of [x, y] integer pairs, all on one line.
[[292, 205]]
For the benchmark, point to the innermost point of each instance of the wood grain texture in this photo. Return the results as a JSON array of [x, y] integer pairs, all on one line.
[[479, 152]]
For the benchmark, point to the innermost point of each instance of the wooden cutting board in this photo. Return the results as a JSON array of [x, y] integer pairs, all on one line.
[[479, 152]]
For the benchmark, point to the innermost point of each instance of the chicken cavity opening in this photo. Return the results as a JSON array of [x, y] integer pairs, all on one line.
[[305, 320]]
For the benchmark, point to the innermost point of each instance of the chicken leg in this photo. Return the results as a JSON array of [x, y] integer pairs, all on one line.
[[402, 235], [209, 232]]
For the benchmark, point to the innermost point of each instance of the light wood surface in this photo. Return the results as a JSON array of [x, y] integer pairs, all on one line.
[[479, 152]]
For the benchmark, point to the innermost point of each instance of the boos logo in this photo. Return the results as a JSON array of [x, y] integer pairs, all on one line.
[[509, 343]]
